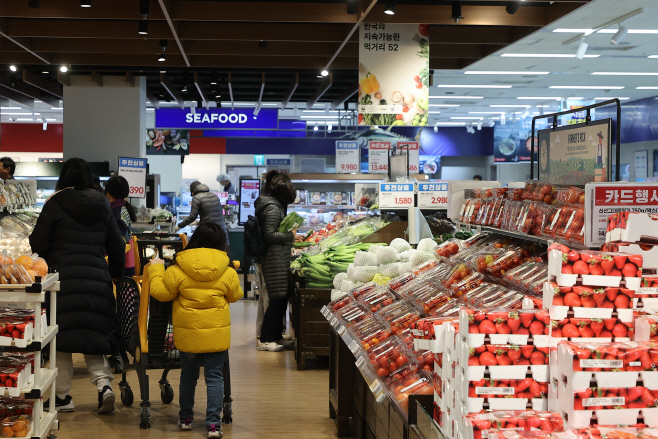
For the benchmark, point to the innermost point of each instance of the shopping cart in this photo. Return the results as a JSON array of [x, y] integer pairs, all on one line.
[[146, 334]]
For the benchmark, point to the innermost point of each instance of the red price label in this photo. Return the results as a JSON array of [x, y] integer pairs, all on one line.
[[439, 200], [404, 200], [136, 190], [413, 168], [348, 167], [375, 167]]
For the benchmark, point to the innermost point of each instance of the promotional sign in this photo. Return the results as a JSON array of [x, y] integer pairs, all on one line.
[[393, 74], [249, 192], [396, 195], [378, 157], [348, 157], [223, 197], [433, 195], [259, 160], [605, 199], [412, 149], [167, 142], [576, 154], [134, 171], [216, 118], [641, 165], [281, 165], [513, 141]]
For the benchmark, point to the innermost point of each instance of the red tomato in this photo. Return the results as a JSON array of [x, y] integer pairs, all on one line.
[[429, 368], [419, 85], [417, 78], [382, 372], [424, 30], [401, 360]]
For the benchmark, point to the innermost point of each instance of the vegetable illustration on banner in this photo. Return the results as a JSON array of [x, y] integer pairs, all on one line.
[[393, 74]]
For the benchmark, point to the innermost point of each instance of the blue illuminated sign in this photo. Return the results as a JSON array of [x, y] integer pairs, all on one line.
[[216, 118]]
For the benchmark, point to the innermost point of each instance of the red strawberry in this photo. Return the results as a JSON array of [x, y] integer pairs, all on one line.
[[572, 256], [487, 327], [481, 424], [586, 257], [535, 389], [514, 321], [607, 264], [611, 293], [633, 394], [596, 270], [622, 301], [580, 267], [473, 361], [645, 361], [605, 333], [599, 296], [637, 405], [576, 365], [546, 425], [558, 301], [514, 354], [620, 261], [523, 331], [523, 385], [537, 328], [586, 331], [583, 290], [557, 333], [572, 299], [558, 423], [473, 329], [570, 330], [628, 292], [597, 326], [534, 422], [523, 362], [538, 358], [615, 272], [567, 269], [588, 302], [647, 397], [607, 304], [527, 318], [584, 394], [527, 351], [620, 330], [629, 270], [543, 316], [488, 359], [636, 259], [502, 327], [503, 359]]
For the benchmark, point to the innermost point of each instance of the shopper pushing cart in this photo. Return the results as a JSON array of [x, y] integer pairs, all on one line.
[[201, 282]]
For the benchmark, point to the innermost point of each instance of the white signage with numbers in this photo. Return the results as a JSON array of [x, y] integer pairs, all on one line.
[[134, 171], [396, 195], [412, 149], [348, 157], [433, 195], [378, 157]]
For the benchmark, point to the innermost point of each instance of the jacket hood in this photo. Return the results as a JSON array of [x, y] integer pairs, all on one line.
[[201, 188], [203, 264], [85, 206], [263, 201]]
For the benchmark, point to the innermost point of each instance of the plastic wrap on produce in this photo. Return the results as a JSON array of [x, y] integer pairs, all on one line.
[[426, 245], [421, 257], [364, 273], [338, 280], [390, 270], [405, 267], [387, 255], [362, 259], [336, 294], [405, 256], [350, 270], [376, 248]]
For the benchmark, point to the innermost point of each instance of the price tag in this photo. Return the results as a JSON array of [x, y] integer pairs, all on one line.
[[324, 310], [348, 157], [375, 387], [412, 150], [341, 331], [433, 195], [360, 363], [650, 291], [494, 390], [378, 157], [134, 171], [354, 347], [334, 321], [396, 195]]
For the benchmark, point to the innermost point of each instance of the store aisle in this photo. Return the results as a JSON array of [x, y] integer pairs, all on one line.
[[271, 398]]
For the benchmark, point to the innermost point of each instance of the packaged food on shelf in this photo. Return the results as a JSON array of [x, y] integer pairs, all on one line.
[[431, 300], [419, 382], [513, 394], [458, 272], [515, 194], [448, 248], [377, 299], [363, 289], [571, 195], [503, 327], [16, 426], [340, 303], [399, 316], [588, 301], [353, 314], [482, 425], [397, 283], [585, 329], [573, 226], [467, 284], [370, 333], [389, 356], [425, 267]]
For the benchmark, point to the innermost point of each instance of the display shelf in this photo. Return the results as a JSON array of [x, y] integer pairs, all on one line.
[[513, 234], [37, 390], [36, 287], [39, 343], [45, 424]]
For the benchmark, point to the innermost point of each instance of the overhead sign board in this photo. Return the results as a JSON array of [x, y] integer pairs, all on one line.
[[218, 118]]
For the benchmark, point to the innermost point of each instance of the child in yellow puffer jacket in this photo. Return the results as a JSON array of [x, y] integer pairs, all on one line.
[[202, 283]]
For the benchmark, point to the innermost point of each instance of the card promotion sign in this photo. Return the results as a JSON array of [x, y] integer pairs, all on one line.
[[348, 157], [282, 165], [134, 171], [412, 149], [396, 195], [433, 195], [378, 157], [605, 199], [393, 74], [576, 154]]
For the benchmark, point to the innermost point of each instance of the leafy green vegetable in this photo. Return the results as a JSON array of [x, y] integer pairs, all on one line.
[[424, 46], [291, 222]]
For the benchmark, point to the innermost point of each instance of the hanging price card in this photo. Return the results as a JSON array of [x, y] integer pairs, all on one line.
[[378, 157], [396, 195], [134, 171], [433, 195], [412, 149], [348, 157]]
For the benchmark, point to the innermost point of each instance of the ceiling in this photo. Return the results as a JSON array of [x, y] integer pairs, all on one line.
[[209, 41]]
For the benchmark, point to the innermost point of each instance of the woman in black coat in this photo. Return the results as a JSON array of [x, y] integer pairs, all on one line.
[[271, 210], [74, 232]]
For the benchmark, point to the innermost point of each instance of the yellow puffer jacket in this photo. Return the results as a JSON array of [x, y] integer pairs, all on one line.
[[201, 284]]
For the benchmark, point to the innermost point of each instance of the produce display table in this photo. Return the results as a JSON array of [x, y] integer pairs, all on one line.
[[311, 328]]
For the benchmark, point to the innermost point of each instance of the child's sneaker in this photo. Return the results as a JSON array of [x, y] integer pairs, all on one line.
[[185, 424], [214, 431]]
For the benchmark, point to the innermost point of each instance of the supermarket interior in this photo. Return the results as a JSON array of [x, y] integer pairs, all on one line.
[[401, 219]]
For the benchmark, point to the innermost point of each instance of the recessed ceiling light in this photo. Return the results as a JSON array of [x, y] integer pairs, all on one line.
[[10, 108], [574, 31], [495, 72], [467, 118], [63, 69], [324, 73], [509, 106], [646, 88], [539, 98], [443, 105], [611, 97], [162, 57], [474, 86], [587, 87], [450, 123], [213, 83], [630, 31], [457, 97], [85, 3], [25, 119], [12, 68], [143, 27], [544, 55], [625, 73]]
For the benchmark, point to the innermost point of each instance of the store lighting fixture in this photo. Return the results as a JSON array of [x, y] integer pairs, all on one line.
[[611, 97], [466, 118], [10, 108], [539, 98], [56, 108], [457, 11], [315, 128], [479, 126], [33, 3], [513, 7], [352, 6], [162, 57], [625, 73], [456, 97], [502, 119], [85, 3], [45, 72], [324, 73], [544, 55], [509, 106], [150, 109], [451, 123], [63, 69], [619, 36], [525, 114], [606, 31], [12, 68], [319, 117], [23, 119], [582, 48], [485, 112], [17, 114], [490, 123], [51, 120], [436, 129], [501, 72], [45, 126], [646, 88], [390, 7], [587, 87], [474, 86], [330, 127], [143, 28]]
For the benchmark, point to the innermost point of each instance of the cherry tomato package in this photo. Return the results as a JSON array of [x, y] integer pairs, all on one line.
[[370, 333], [377, 299], [352, 314], [389, 356], [419, 382], [431, 300], [398, 282], [448, 248], [365, 288], [400, 315], [340, 303]]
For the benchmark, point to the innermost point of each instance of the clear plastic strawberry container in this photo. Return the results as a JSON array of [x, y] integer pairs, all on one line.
[[399, 316], [482, 425], [389, 356]]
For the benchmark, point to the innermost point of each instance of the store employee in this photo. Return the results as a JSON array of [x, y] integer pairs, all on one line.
[[223, 179], [7, 168]]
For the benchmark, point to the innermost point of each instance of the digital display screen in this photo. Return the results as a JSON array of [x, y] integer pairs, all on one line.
[[249, 192]]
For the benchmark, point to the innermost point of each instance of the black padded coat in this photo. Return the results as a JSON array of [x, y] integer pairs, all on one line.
[[276, 262], [73, 233], [206, 205]]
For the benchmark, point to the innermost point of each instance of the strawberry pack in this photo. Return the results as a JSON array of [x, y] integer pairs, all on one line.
[[589, 301], [481, 425], [631, 227], [501, 327]]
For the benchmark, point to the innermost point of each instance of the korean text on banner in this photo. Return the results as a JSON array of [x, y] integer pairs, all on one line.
[[378, 157], [613, 198], [412, 149], [282, 165], [348, 157], [396, 195], [134, 171], [393, 74], [433, 195]]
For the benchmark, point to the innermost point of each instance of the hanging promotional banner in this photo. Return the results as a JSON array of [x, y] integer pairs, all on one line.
[[411, 149], [134, 171], [216, 118], [348, 157], [576, 154], [167, 142], [433, 195], [393, 74], [602, 200], [281, 165], [378, 157], [396, 195]]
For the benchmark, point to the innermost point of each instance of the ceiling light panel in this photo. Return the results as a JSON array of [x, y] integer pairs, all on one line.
[[544, 55], [499, 72], [474, 86], [587, 87], [457, 97], [625, 73]]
